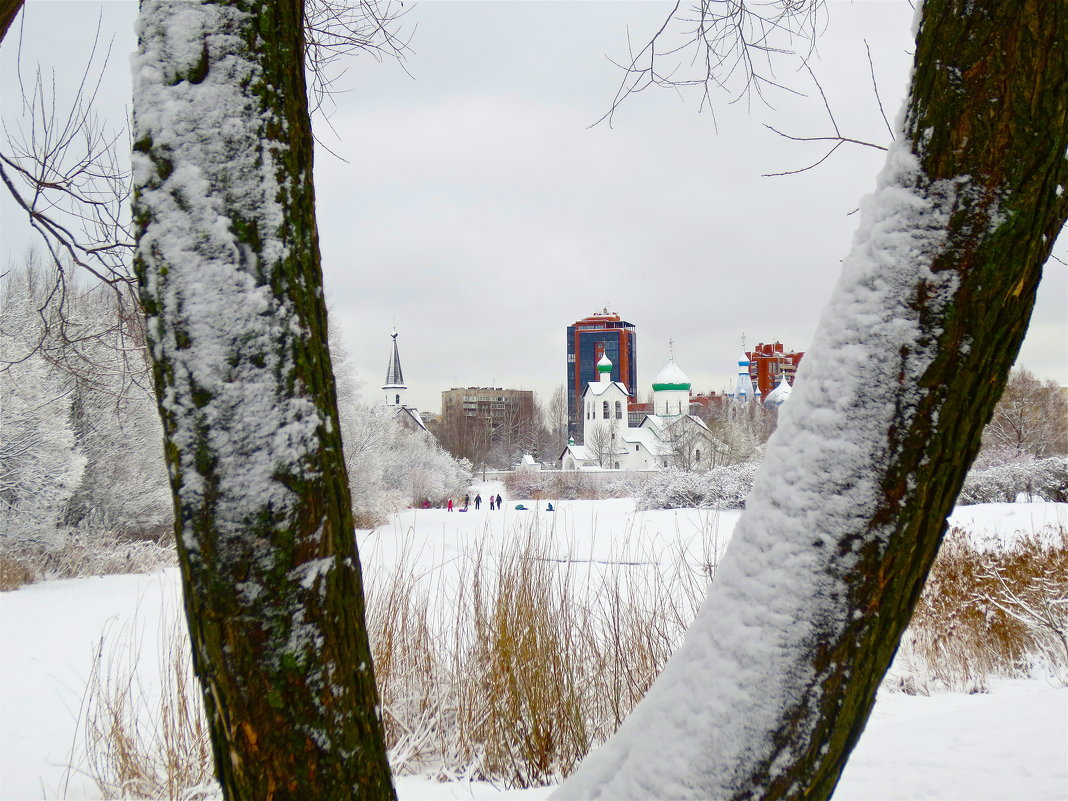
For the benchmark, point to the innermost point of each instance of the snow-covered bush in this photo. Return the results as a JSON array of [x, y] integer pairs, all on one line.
[[574, 485], [392, 466], [720, 488], [1043, 478]]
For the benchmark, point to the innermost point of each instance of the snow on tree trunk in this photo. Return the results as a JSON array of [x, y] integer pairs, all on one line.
[[228, 263], [777, 675]]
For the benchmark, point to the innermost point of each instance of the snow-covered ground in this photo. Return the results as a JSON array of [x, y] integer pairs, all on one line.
[[1009, 744]]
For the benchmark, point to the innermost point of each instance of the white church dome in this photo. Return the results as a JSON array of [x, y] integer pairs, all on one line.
[[778, 396], [671, 377]]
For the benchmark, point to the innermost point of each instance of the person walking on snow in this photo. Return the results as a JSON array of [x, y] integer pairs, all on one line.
[[467, 500], [450, 504], [478, 502], [498, 500], [491, 503]]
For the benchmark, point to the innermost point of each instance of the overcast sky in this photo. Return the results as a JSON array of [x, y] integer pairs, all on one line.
[[472, 203]]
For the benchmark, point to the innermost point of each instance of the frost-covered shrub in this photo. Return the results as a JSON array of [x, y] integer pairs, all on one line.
[[720, 488], [1043, 478], [569, 485], [391, 466]]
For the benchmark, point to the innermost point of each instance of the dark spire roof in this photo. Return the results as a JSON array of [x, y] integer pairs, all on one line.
[[394, 375]]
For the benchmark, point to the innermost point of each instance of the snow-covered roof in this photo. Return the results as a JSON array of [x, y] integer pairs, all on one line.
[[576, 451], [647, 437], [661, 422], [671, 377], [604, 364], [596, 388], [412, 415]]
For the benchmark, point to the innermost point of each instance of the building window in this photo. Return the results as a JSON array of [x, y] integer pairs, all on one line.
[[637, 448], [397, 399], [697, 455], [607, 414], [619, 410]]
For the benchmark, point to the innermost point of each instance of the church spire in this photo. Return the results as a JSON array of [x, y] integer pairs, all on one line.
[[394, 385]]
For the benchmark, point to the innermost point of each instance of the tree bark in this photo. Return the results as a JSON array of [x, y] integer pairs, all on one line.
[[9, 9], [778, 675], [229, 271]]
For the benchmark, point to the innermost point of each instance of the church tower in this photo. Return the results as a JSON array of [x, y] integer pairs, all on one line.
[[743, 388], [394, 386]]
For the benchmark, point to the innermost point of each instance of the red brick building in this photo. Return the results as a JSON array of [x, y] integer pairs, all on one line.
[[767, 364]]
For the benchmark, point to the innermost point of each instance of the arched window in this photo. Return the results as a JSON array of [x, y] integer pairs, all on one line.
[[397, 399], [607, 414], [697, 455], [619, 410]]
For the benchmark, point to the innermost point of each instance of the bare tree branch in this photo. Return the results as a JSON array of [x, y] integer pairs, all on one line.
[[731, 43]]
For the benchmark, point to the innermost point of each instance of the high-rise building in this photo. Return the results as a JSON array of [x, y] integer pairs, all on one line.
[[603, 333]]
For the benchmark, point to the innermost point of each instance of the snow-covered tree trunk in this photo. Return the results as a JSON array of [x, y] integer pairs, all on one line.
[[228, 263], [778, 674]]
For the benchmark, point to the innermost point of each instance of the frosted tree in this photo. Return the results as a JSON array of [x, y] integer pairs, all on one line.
[[1030, 421], [228, 264], [40, 465], [778, 674]]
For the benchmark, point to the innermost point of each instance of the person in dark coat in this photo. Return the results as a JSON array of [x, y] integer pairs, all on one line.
[[467, 500], [478, 502], [498, 500]]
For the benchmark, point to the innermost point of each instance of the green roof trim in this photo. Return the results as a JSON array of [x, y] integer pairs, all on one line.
[[662, 387], [604, 368]]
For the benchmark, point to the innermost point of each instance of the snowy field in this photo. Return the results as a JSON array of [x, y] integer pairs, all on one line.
[[1011, 743]]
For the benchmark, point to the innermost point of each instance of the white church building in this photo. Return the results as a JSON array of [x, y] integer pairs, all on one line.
[[670, 436]]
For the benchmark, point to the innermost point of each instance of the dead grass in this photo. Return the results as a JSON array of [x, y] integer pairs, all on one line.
[[989, 612], [14, 573], [144, 738], [512, 666], [89, 550]]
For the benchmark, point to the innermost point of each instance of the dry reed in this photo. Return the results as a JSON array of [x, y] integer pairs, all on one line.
[[511, 664]]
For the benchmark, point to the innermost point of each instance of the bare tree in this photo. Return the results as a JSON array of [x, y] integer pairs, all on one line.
[[602, 443], [554, 419], [690, 445], [1030, 419]]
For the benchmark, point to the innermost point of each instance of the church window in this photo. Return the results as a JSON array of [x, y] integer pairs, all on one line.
[[697, 454], [397, 399], [619, 410], [607, 414]]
